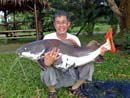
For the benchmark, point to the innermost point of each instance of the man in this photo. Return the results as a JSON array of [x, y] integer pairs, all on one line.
[[73, 77]]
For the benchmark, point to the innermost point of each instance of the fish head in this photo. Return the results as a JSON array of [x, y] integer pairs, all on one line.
[[31, 50]]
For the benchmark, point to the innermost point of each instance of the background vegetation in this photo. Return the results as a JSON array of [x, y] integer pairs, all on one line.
[[21, 79], [91, 19]]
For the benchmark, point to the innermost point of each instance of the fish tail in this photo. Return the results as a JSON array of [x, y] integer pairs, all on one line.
[[109, 38]]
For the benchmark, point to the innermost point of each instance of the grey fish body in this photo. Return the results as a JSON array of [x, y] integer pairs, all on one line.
[[72, 55], [40, 45]]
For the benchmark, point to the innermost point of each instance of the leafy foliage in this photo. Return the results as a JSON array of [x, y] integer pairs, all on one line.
[[127, 42], [83, 13]]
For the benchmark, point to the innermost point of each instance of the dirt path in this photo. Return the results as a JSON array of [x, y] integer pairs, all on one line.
[[9, 48]]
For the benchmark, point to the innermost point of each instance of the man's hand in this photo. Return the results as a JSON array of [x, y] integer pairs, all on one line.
[[51, 56], [103, 50]]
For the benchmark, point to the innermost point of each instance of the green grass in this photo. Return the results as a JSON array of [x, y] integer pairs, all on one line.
[[17, 85], [101, 28], [14, 84]]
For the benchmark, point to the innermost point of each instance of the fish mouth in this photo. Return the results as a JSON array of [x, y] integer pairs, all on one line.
[[30, 55], [19, 54], [19, 51]]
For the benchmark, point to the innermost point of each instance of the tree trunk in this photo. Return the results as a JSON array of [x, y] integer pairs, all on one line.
[[123, 13], [125, 9]]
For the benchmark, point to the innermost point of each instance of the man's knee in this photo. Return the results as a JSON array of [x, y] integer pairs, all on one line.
[[48, 76], [86, 71]]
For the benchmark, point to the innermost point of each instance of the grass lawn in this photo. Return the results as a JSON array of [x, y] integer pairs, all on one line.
[[14, 84], [22, 79]]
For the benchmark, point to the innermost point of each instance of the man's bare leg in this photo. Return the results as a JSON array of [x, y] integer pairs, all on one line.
[[78, 84], [52, 92], [51, 88], [75, 91]]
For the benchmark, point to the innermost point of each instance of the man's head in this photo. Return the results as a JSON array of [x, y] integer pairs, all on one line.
[[61, 22]]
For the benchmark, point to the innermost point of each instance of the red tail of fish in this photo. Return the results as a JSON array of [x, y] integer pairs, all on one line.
[[108, 36]]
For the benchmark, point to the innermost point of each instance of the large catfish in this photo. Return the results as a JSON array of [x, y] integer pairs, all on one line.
[[70, 55]]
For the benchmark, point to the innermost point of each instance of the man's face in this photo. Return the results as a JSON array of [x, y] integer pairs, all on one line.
[[61, 24]]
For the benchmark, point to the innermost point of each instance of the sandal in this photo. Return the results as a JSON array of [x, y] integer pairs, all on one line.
[[52, 95], [76, 93]]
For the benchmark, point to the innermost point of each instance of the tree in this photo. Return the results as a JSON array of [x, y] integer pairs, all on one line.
[[122, 10], [123, 13]]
